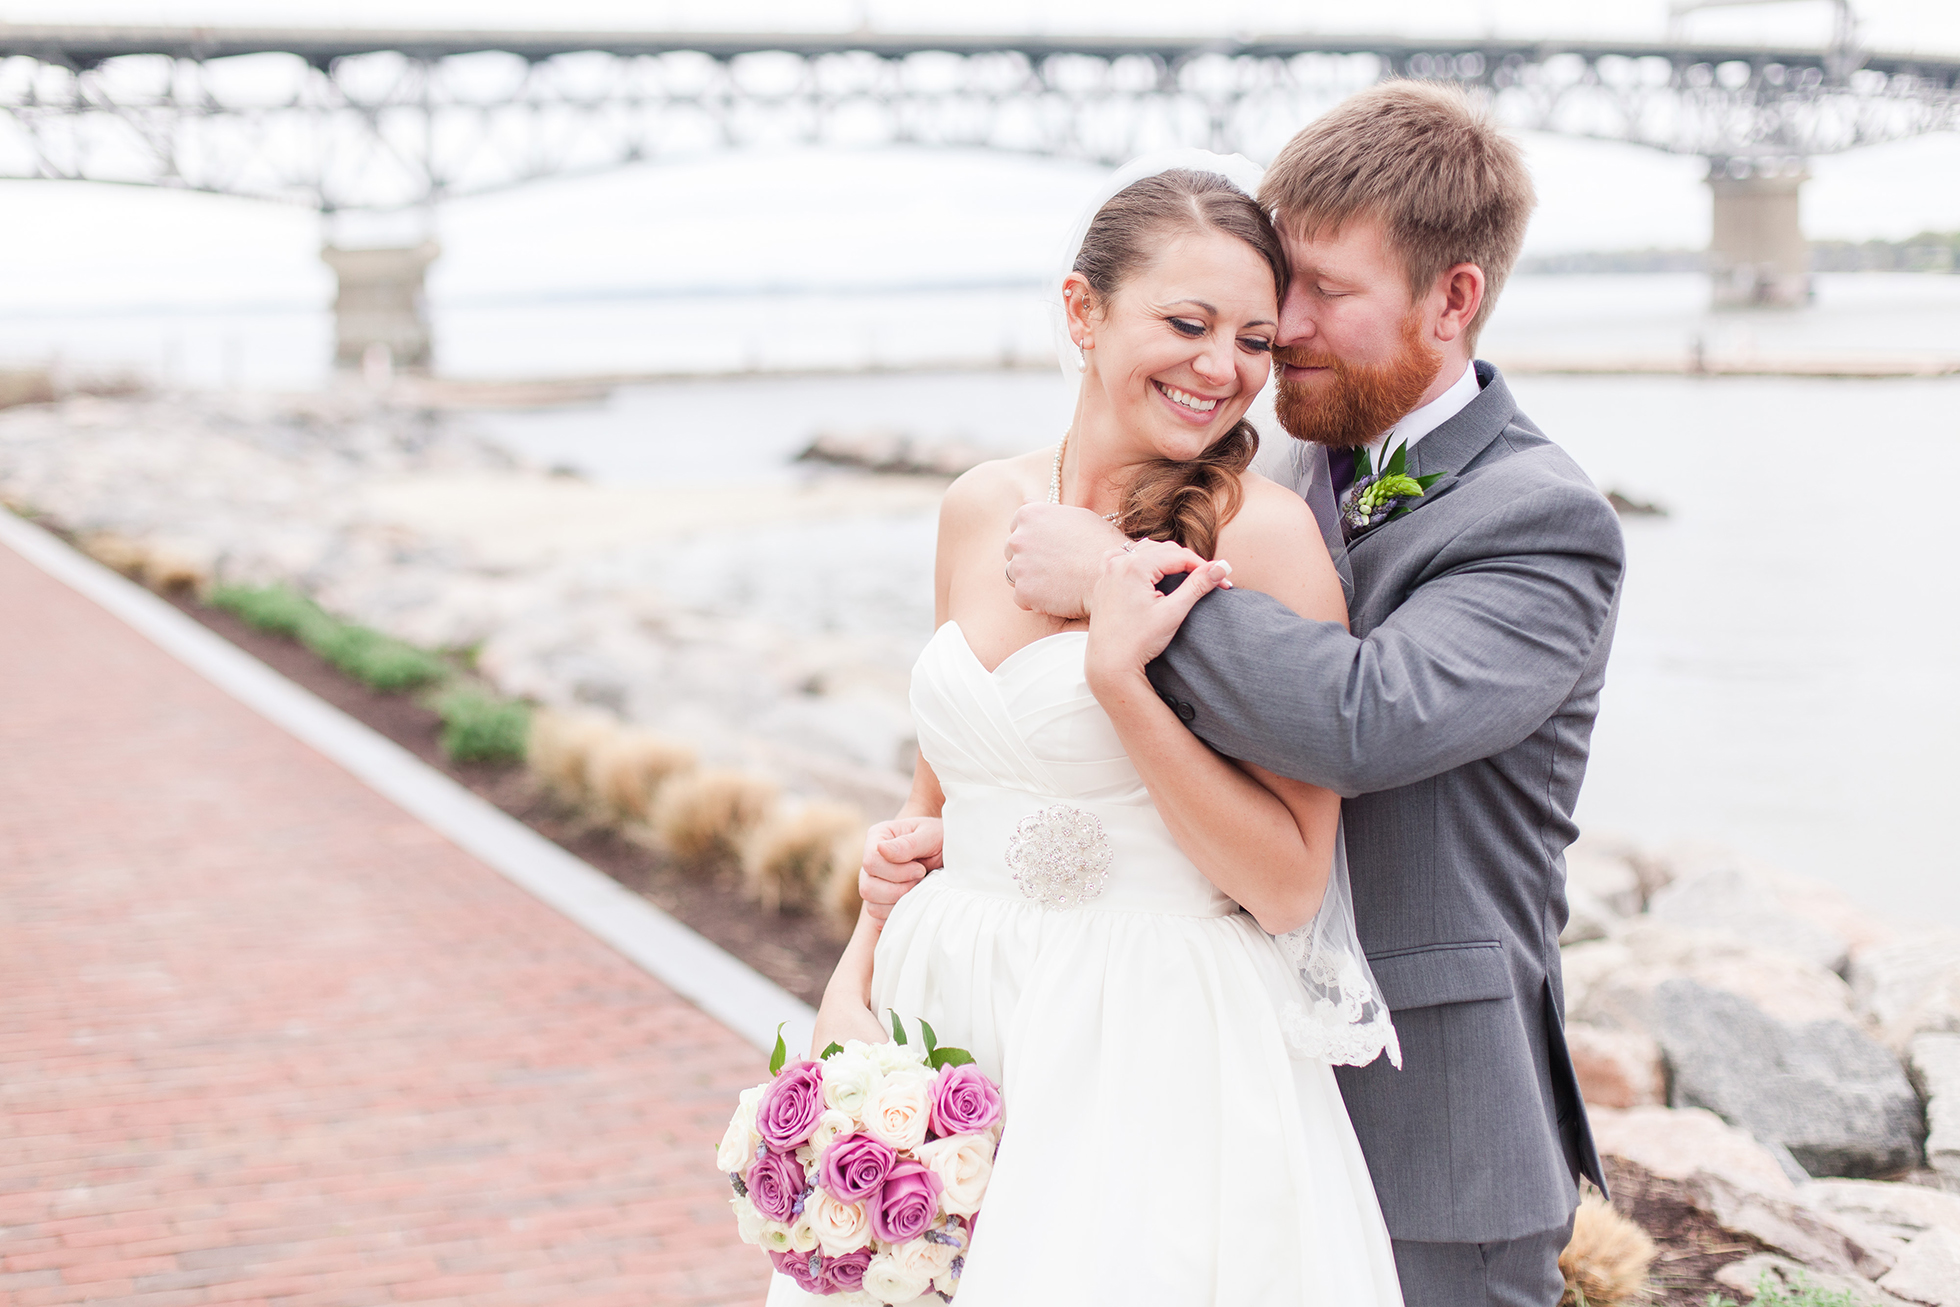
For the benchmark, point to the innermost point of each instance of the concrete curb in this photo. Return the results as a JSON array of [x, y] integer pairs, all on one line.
[[720, 984]]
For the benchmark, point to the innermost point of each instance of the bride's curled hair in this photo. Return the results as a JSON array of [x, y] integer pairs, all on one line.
[[1186, 501]]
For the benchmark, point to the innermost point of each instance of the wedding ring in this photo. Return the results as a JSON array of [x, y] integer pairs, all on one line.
[[1131, 548]]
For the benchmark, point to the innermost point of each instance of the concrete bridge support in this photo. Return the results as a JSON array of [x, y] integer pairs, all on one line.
[[381, 307], [1757, 255]]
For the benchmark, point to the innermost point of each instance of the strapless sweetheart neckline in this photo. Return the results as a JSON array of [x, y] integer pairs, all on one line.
[[1003, 664]]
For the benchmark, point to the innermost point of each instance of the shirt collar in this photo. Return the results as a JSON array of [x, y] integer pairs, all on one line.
[[1435, 413]]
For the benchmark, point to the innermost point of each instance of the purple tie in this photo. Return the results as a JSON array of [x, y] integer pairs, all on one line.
[[1340, 472]]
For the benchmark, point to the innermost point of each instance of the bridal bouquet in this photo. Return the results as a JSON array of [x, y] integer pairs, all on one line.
[[860, 1174]]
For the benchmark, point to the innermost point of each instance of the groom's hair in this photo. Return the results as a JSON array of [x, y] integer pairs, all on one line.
[[1445, 184]]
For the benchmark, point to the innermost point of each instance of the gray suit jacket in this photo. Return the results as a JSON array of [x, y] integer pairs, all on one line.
[[1456, 718]]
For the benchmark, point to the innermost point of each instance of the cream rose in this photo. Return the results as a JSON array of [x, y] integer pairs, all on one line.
[[899, 1057], [840, 1227], [737, 1148], [889, 1282], [831, 1126], [796, 1237], [898, 1110], [925, 1258], [964, 1164], [749, 1223], [848, 1079]]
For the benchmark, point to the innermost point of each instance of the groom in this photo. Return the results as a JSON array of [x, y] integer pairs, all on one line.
[[1455, 710]]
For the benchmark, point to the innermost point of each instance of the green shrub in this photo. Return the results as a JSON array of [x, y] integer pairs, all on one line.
[[479, 727], [271, 608], [373, 658], [368, 656], [1772, 1292]]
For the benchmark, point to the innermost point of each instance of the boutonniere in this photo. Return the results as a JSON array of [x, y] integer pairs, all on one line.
[[1378, 496]]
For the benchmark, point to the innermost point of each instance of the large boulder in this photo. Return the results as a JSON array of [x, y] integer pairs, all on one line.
[[1722, 891], [1609, 870], [1769, 1271], [1910, 986], [1831, 1094], [1741, 1184], [1616, 1068], [1901, 1211], [1612, 982], [1928, 1271], [1935, 1064], [1587, 918]]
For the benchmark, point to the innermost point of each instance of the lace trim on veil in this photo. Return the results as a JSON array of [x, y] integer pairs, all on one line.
[[1341, 1018]]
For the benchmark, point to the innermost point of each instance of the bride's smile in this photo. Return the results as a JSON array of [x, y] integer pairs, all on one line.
[[1174, 358]]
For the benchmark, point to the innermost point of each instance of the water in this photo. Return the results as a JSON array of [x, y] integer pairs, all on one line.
[[1782, 678]]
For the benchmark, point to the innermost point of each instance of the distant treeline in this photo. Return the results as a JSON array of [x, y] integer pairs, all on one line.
[[1929, 251]]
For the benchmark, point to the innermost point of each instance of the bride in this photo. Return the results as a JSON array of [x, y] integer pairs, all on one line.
[[1144, 943]]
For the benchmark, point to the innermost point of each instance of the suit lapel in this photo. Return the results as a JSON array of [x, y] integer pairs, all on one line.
[[1450, 448]]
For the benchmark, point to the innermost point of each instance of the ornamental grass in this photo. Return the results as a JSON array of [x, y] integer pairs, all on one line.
[[625, 769], [793, 857], [561, 749], [1606, 1262], [704, 817]]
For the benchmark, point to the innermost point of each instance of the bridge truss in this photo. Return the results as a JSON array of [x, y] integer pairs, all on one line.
[[392, 120]]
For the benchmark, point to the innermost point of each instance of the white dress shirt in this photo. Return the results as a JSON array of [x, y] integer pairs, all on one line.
[[1433, 414]]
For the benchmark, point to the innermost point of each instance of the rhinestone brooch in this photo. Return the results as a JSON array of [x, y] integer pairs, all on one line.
[[1059, 856]]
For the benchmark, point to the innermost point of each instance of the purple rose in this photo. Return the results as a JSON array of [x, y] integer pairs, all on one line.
[[855, 1166], [775, 1183], [964, 1101], [847, 1272], [806, 1269], [788, 1112], [904, 1208]]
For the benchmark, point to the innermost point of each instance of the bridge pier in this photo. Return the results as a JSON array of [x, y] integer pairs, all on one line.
[[381, 307], [1757, 254]]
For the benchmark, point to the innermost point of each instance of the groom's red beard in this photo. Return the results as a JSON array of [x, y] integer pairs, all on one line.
[[1352, 403]]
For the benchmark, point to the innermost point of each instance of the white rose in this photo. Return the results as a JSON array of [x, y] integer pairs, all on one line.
[[889, 1282], [925, 1258], [802, 1235], [736, 1151], [964, 1164], [899, 1057], [831, 1126], [775, 1237], [840, 1227], [749, 1223], [848, 1079], [807, 1158], [898, 1111]]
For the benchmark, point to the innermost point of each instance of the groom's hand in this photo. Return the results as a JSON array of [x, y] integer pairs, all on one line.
[[897, 856], [1055, 555]]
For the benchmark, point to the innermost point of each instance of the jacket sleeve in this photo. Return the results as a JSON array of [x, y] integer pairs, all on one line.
[[1488, 643]]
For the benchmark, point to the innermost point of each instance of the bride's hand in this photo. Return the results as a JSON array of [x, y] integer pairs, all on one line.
[[1132, 620]]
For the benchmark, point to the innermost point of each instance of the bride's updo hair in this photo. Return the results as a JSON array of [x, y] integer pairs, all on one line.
[[1185, 501]]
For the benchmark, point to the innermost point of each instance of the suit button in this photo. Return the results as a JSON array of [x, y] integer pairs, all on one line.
[[1169, 699], [1185, 712]]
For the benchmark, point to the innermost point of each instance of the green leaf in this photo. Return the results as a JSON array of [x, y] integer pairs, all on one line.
[[1398, 463], [945, 1057], [1363, 466], [781, 1055], [830, 1050], [898, 1030], [932, 1040], [1427, 481]]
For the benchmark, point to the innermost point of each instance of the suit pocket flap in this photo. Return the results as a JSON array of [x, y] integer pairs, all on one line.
[[1442, 973]]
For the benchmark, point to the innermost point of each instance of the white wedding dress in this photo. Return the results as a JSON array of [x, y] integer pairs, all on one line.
[[1164, 1144]]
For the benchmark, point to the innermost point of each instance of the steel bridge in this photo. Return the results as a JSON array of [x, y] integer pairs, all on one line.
[[364, 121]]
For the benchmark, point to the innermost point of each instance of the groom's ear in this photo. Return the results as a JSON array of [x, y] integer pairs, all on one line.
[[1461, 288]]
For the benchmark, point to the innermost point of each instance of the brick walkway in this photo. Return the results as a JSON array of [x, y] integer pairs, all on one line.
[[266, 1039]]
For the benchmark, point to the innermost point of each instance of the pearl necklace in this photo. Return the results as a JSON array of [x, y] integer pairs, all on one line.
[[1055, 478]]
